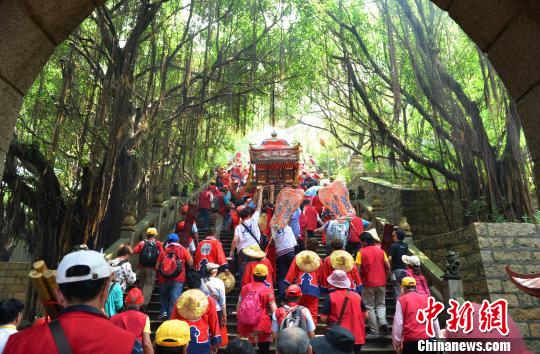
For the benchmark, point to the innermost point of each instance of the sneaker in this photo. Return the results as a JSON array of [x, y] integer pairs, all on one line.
[[384, 330], [163, 316], [372, 334]]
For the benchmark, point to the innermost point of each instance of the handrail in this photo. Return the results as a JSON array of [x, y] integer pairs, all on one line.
[[163, 215], [432, 272]]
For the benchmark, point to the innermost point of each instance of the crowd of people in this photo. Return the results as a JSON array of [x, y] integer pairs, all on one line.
[[102, 310]]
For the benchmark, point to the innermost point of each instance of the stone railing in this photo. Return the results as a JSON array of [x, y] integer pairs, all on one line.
[[163, 215], [443, 286]]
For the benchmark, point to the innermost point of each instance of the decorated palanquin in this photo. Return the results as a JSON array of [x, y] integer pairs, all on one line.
[[275, 161]]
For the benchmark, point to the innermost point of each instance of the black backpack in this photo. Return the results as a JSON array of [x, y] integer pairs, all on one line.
[[149, 254], [294, 318]]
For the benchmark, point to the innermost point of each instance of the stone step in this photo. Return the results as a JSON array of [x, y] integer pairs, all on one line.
[[375, 345]]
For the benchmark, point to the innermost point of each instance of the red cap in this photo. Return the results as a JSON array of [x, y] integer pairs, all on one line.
[[180, 226], [185, 209], [134, 297], [293, 291]]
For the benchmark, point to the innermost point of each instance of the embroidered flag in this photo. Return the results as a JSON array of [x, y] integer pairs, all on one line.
[[335, 198], [288, 201]]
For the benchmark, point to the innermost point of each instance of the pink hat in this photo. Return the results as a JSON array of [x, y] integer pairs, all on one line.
[[339, 279]]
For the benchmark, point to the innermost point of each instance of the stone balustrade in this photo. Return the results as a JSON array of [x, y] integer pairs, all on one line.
[[163, 215]]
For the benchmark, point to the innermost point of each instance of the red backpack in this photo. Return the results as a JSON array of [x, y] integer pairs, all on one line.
[[170, 266], [250, 311]]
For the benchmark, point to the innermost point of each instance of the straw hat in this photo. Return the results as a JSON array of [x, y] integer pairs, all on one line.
[[339, 279], [253, 252], [373, 233], [192, 304], [228, 280], [341, 260], [308, 261]]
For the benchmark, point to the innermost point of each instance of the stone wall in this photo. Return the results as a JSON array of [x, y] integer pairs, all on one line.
[[485, 250], [421, 207], [14, 280]]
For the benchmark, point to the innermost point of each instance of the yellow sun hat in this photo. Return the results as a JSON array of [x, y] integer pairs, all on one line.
[[308, 261], [260, 270], [192, 304], [228, 280], [173, 333], [254, 252], [342, 260]]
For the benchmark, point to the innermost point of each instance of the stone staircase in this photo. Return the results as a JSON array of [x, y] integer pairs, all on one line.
[[377, 345]]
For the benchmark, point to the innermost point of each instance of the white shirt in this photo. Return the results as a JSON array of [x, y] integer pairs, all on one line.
[[216, 288], [243, 237], [397, 327], [284, 240], [5, 332]]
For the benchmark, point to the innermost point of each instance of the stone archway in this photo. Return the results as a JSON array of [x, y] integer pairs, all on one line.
[[507, 30]]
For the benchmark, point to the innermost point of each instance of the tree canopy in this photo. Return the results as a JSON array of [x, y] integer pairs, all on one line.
[[149, 94]]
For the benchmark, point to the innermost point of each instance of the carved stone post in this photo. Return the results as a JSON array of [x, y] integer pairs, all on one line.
[[452, 278], [404, 225], [127, 230], [157, 206]]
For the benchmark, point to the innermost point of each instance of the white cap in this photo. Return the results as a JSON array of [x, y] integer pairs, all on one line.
[[212, 266], [92, 259], [411, 260]]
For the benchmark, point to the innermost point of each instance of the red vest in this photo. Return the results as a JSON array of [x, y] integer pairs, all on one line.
[[355, 229], [210, 250], [86, 333], [183, 256], [281, 312], [204, 199], [248, 272], [373, 271], [353, 319], [411, 303], [311, 217], [131, 320]]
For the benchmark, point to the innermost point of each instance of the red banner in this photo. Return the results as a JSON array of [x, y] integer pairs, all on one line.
[[288, 201], [335, 198]]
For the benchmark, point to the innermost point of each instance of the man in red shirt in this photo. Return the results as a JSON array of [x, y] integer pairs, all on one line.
[[147, 263], [342, 261], [293, 294], [210, 250], [406, 330], [304, 271], [200, 313], [83, 283], [170, 277], [357, 225], [133, 320], [374, 269], [312, 218], [255, 257], [262, 332], [343, 307], [205, 204]]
